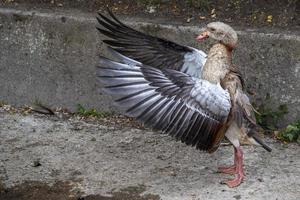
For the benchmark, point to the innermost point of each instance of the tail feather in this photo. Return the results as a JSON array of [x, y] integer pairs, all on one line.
[[252, 132], [243, 119], [262, 143]]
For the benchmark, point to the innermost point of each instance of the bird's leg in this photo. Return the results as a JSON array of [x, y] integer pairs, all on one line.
[[229, 169], [239, 171]]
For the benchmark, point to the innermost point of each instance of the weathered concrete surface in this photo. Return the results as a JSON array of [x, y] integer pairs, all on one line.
[[98, 159], [50, 56]]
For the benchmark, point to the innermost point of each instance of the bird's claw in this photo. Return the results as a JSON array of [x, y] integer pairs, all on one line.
[[236, 181], [227, 170]]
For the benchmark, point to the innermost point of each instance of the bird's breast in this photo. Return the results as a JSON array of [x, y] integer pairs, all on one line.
[[217, 64]]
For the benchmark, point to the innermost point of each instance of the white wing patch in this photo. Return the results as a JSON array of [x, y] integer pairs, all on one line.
[[211, 97], [194, 62]]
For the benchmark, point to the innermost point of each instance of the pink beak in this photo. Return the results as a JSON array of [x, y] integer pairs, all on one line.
[[202, 36]]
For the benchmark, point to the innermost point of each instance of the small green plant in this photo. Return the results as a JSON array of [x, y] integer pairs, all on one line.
[[268, 117], [91, 112], [291, 133]]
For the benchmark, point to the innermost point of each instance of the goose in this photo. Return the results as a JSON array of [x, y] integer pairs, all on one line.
[[195, 97]]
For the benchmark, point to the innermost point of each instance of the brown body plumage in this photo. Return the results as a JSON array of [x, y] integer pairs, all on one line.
[[215, 69], [217, 64], [240, 125]]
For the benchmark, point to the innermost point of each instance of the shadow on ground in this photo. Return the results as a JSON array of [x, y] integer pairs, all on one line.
[[63, 191]]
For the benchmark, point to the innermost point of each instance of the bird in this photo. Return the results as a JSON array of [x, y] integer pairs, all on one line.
[[197, 98]]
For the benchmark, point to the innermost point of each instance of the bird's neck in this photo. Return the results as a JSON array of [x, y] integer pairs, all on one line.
[[217, 64]]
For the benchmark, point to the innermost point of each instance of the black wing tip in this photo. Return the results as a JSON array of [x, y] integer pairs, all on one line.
[[110, 19], [110, 25], [108, 10], [100, 15], [100, 29]]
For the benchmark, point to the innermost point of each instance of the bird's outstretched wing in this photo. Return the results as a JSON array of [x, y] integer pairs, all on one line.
[[190, 109], [156, 52]]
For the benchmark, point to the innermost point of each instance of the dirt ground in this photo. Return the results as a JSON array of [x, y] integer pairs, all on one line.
[[253, 13], [70, 158]]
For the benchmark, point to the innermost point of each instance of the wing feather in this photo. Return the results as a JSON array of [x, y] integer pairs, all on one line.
[[168, 100], [149, 50]]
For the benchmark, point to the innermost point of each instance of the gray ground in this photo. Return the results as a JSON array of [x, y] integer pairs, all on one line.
[[95, 159]]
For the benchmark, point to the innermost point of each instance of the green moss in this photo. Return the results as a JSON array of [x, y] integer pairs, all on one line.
[[91, 112]]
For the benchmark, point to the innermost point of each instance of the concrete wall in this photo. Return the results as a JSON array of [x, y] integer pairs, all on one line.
[[51, 57]]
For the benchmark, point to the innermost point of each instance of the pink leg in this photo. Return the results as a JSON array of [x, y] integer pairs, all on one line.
[[229, 169], [236, 169]]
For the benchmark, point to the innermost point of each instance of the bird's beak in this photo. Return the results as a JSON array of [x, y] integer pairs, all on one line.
[[202, 36]]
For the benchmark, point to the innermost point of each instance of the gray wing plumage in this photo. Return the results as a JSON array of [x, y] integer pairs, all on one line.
[[189, 109], [149, 50]]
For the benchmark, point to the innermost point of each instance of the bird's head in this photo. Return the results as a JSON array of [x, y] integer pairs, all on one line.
[[220, 32]]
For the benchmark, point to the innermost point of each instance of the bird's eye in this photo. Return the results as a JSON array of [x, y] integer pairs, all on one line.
[[212, 29]]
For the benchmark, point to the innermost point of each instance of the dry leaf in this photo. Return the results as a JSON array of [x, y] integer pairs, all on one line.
[[213, 11], [269, 18]]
